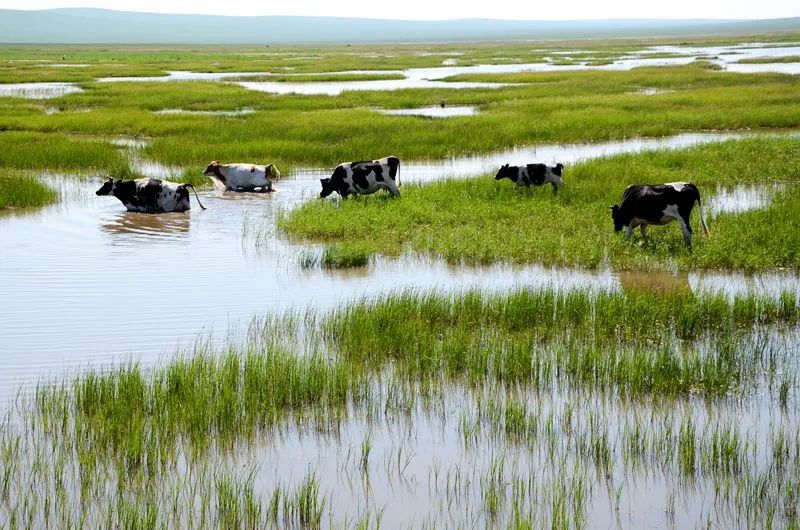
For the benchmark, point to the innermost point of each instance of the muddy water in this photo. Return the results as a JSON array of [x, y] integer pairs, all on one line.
[[84, 282]]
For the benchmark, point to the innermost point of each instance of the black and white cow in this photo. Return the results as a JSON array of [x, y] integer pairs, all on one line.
[[150, 195], [243, 177], [363, 178], [644, 205], [536, 174]]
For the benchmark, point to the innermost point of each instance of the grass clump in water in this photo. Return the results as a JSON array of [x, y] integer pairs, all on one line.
[[636, 342], [129, 415], [345, 256], [23, 191]]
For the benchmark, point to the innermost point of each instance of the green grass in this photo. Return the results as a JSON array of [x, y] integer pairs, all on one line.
[[344, 256], [628, 341], [18, 190], [322, 131], [26, 150], [202, 399], [768, 60], [483, 221]]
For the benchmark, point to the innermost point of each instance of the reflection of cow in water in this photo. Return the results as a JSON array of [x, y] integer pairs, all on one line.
[[148, 226], [654, 282]]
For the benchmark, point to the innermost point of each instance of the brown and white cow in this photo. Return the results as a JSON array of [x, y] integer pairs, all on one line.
[[243, 177]]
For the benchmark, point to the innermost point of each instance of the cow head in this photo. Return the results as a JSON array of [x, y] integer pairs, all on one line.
[[506, 172], [211, 169], [107, 188], [327, 187], [617, 217], [272, 171]]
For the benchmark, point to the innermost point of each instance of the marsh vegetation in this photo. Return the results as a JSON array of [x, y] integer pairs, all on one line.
[[549, 400], [647, 401]]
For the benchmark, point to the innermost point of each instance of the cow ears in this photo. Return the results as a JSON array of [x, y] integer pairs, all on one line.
[[614, 208]]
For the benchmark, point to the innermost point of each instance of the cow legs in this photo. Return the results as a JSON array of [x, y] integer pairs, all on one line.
[[686, 228], [643, 230], [628, 231], [555, 188], [392, 187]]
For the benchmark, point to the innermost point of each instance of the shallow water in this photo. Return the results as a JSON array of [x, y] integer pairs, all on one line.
[[434, 111], [761, 68], [432, 77], [229, 113], [84, 282], [650, 91], [63, 65], [741, 198], [38, 90], [334, 88], [175, 75], [729, 57]]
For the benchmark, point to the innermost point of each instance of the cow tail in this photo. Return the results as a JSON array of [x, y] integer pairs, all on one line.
[[195, 195], [702, 217]]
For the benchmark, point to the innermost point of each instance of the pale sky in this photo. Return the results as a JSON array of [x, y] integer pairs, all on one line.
[[447, 9]]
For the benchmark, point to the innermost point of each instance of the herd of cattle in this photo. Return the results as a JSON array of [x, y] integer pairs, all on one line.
[[640, 206]]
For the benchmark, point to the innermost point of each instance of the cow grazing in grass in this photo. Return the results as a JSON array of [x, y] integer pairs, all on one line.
[[532, 174], [243, 177], [644, 205], [150, 195], [363, 178]]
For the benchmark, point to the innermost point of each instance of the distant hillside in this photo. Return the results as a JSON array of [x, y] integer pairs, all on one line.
[[92, 26]]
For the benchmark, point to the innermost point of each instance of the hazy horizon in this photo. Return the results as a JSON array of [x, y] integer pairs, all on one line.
[[566, 10], [110, 26]]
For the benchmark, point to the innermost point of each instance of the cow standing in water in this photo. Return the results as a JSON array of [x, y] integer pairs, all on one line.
[[150, 195], [644, 205], [364, 178], [533, 174], [243, 177]]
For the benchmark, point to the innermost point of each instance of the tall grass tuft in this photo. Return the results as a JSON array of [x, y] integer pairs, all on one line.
[[23, 191]]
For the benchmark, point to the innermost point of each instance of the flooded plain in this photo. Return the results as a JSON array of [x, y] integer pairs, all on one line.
[[87, 283], [727, 57], [88, 286]]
